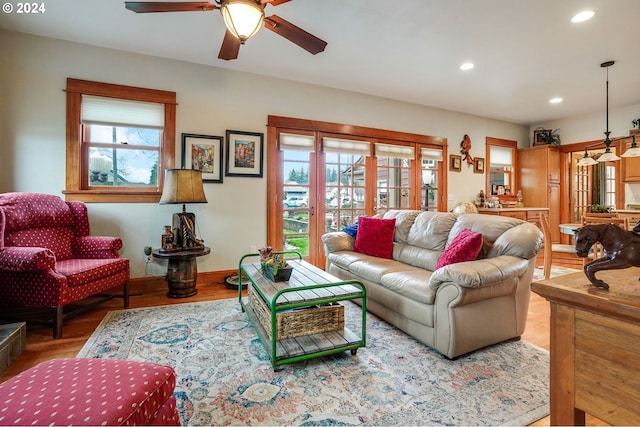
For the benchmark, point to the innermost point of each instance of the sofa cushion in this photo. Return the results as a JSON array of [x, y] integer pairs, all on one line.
[[418, 257], [412, 283], [404, 221], [464, 247], [375, 236], [431, 230], [374, 269]]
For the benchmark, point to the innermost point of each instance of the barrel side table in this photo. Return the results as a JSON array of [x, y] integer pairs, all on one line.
[[182, 271]]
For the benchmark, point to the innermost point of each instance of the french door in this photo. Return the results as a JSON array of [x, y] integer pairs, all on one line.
[[324, 181]]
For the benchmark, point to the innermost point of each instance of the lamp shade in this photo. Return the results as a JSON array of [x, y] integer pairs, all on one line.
[[242, 17], [182, 186], [608, 156]]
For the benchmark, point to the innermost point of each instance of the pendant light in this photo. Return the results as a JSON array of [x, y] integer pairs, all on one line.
[[608, 156]]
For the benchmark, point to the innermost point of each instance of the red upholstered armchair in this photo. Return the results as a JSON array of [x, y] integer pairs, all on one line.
[[48, 259]]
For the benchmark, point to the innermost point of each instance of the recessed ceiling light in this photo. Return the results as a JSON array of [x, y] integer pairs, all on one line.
[[583, 16], [555, 100], [467, 66]]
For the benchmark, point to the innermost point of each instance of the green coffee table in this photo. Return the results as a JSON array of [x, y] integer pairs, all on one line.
[[300, 319]]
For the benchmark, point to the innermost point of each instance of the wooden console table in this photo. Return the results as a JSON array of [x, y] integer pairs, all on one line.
[[595, 342]]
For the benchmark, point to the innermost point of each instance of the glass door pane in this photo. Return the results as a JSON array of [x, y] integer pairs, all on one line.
[[344, 189], [295, 204], [429, 194], [393, 183]]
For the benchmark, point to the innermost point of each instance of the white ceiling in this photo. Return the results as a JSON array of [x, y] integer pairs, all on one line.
[[525, 51]]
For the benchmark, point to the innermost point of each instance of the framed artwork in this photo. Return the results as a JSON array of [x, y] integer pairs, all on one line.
[[478, 165], [244, 154], [540, 136], [455, 162], [203, 152]]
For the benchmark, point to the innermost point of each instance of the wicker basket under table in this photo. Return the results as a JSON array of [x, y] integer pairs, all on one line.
[[298, 322]]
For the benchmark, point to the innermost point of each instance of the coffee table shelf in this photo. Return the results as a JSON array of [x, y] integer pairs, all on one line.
[[308, 288]]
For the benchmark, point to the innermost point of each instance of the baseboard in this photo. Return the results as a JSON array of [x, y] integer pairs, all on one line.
[[150, 284]]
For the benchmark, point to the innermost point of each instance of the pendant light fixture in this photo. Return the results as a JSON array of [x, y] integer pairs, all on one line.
[[608, 156]]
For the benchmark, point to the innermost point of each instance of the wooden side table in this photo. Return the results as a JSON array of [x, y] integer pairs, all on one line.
[[595, 341], [182, 271]]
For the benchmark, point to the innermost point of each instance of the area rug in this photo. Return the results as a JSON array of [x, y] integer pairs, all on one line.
[[538, 272], [225, 377]]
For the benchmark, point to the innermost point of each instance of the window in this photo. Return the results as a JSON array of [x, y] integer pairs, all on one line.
[[501, 155], [120, 140]]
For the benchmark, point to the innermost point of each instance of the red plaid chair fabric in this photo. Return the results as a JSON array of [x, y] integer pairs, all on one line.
[[48, 258], [90, 392]]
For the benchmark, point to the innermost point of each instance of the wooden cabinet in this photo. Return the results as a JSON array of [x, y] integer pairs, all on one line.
[[526, 214], [539, 180], [630, 165], [594, 342]]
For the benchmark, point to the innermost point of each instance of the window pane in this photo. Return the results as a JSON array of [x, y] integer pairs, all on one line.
[[295, 214], [344, 189], [109, 134], [133, 168]]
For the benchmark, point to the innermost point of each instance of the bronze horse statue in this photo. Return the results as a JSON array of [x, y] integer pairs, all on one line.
[[621, 249]]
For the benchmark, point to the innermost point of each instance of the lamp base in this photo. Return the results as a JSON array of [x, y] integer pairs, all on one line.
[[184, 232]]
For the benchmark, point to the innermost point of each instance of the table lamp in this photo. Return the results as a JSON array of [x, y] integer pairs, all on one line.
[[183, 186]]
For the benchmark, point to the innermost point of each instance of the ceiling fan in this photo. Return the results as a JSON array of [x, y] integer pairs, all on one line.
[[243, 19]]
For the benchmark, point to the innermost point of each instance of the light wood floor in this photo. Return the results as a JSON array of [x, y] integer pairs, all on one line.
[[41, 346]]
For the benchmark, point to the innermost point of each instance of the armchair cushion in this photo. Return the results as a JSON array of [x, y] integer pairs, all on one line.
[[56, 239], [82, 271]]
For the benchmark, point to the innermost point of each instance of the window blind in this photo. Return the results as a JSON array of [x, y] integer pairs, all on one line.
[[288, 141], [501, 155], [431, 154], [397, 151], [103, 110], [346, 146]]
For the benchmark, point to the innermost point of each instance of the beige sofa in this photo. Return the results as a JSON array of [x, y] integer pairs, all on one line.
[[457, 308]]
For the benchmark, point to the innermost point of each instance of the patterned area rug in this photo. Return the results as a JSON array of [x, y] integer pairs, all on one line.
[[538, 273], [225, 377]]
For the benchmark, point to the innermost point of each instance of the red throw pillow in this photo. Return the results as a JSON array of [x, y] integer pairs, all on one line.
[[464, 247], [375, 236]]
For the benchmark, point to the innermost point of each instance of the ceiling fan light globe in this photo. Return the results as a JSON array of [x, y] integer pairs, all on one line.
[[243, 18]]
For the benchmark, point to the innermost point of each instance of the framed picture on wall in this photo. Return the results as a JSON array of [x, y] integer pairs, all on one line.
[[478, 165], [244, 154], [455, 162], [203, 152], [540, 136]]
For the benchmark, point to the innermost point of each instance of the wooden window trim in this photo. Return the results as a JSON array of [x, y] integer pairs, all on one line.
[[74, 191]]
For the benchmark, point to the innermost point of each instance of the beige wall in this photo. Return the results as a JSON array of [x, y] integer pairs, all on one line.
[[211, 100]]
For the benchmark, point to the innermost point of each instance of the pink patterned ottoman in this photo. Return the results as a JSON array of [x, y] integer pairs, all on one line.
[[90, 392]]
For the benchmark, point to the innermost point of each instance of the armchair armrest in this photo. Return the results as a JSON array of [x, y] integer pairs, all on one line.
[[337, 241], [25, 258], [479, 273], [95, 247]]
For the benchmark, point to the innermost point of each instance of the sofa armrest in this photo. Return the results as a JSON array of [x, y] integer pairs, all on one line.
[[26, 258], [337, 241], [97, 247], [479, 273]]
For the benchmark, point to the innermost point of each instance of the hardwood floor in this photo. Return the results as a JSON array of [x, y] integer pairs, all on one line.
[[41, 346]]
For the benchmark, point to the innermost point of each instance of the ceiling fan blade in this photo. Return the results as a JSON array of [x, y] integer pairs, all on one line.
[[294, 34], [274, 2], [166, 6], [230, 47]]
